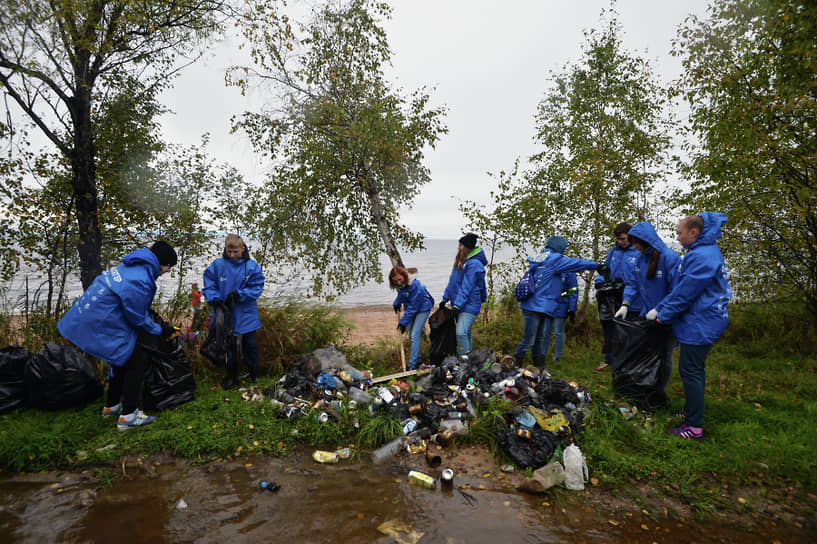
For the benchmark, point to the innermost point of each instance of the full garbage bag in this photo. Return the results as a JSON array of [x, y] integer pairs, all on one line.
[[168, 379], [443, 336], [218, 345], [608, 297], [532, 452], [59, 377], [640, 361], [13, 394]]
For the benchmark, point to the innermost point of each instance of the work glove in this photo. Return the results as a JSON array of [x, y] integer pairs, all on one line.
[[396, 308], [443, 303], [232, 298], [652, 315], [604, 270], [622, 312], [401, 328], [168, 331], [571, 316]]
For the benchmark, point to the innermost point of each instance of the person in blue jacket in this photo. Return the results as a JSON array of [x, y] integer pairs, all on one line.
[[466, 289], [109, 317], [239, 281], [565, 310], [417, 303], [697, 309], [621, 260], [654, 272], [546, 301]]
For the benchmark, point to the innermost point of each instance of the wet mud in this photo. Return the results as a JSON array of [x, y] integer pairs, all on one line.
[[352, 501]]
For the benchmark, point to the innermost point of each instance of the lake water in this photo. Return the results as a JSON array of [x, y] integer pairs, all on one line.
[[433, 264]]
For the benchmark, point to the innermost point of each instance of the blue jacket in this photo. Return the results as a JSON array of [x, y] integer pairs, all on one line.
[[414, 298], [244, 276], [466, 288], [697, 306], [651, 292], [621, 263], [547, 269], [570, 302], [106, 320]]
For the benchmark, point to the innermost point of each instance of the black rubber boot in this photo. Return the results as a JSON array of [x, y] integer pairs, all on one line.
[[519, 361], [540, 362], [231, 379]]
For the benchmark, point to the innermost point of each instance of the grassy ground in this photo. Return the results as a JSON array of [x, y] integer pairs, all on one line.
[[760, 413]]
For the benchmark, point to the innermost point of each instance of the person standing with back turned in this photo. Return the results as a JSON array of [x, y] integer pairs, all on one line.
[[466, 289], [237, 279], [697, 309]]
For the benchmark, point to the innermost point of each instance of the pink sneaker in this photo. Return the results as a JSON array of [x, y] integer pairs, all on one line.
[[687, 432]]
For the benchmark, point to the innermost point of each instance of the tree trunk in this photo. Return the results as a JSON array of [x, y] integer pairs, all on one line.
[[83, 179], [382, 225]]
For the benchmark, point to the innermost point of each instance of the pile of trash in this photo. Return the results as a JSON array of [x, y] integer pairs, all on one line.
[[546, 412]]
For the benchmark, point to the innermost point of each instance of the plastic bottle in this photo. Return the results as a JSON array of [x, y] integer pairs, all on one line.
[[575, 468], [360, 396], [268, 486], [386, 452]]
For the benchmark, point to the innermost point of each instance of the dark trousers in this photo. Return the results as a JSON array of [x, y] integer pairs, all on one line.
[[249, 352], [126, 381]]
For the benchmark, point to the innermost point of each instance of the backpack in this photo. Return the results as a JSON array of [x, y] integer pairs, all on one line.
[[524, 289]]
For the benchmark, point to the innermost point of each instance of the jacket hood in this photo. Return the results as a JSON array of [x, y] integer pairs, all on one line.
[[245, 256], [557, 244], [478, 254], [143, 255], [713, 222], [645, 231]]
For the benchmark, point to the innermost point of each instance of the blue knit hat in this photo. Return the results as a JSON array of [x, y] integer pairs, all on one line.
[[557, 244]]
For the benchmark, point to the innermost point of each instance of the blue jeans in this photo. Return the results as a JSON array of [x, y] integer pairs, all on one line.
[[692, 368], [464, 323], [415, 333], [557, 324], [533, 335]]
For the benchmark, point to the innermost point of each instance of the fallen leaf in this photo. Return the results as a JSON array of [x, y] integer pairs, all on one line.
[[644, 526], [506, 503], [613, 522], [594, 481], [741, 500], [252, 426]]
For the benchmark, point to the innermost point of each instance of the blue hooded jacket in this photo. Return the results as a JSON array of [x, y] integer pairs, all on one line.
[[547, 269], [466, 288], [243, 276], [697, 306], [106, 320], [414, 298], [651, 291]]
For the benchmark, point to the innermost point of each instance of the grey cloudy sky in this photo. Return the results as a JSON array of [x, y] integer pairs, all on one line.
[[488, 62]]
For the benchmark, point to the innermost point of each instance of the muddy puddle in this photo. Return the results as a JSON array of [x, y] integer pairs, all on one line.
[[347, 502]]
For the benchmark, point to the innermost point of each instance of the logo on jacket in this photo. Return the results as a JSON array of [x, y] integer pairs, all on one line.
[[115, 275]]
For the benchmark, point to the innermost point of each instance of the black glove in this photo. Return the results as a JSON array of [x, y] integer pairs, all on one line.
[[456, 311], [232, 298], [443, 303], [396, 308], [167, 331], [401, 328], [604, 270], [571, 316]]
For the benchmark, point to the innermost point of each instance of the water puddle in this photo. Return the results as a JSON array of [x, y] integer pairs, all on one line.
[[339, 503]]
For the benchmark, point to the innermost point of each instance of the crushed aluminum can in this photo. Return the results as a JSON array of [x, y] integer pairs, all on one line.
[[423, 480], [408, 425]]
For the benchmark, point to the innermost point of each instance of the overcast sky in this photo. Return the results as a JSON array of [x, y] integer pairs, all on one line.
[[487, 61]]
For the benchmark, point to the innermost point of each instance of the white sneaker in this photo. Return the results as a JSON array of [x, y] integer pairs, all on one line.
[[108, 411], [136, 419]]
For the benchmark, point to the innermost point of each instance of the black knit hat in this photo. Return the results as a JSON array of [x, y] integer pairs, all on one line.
[[469, 240], [165, 253]]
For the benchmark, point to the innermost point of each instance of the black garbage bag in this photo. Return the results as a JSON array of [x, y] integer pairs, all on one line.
[[532, 452], [169, 379], [443, 336], [608, 297], [59, 377], [640, 361], [13, 394], [218, 345]]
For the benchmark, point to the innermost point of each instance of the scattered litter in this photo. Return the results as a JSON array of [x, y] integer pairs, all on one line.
[[181, 505], [399, 531]]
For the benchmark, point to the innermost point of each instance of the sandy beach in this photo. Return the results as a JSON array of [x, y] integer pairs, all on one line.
[[371, 324]]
